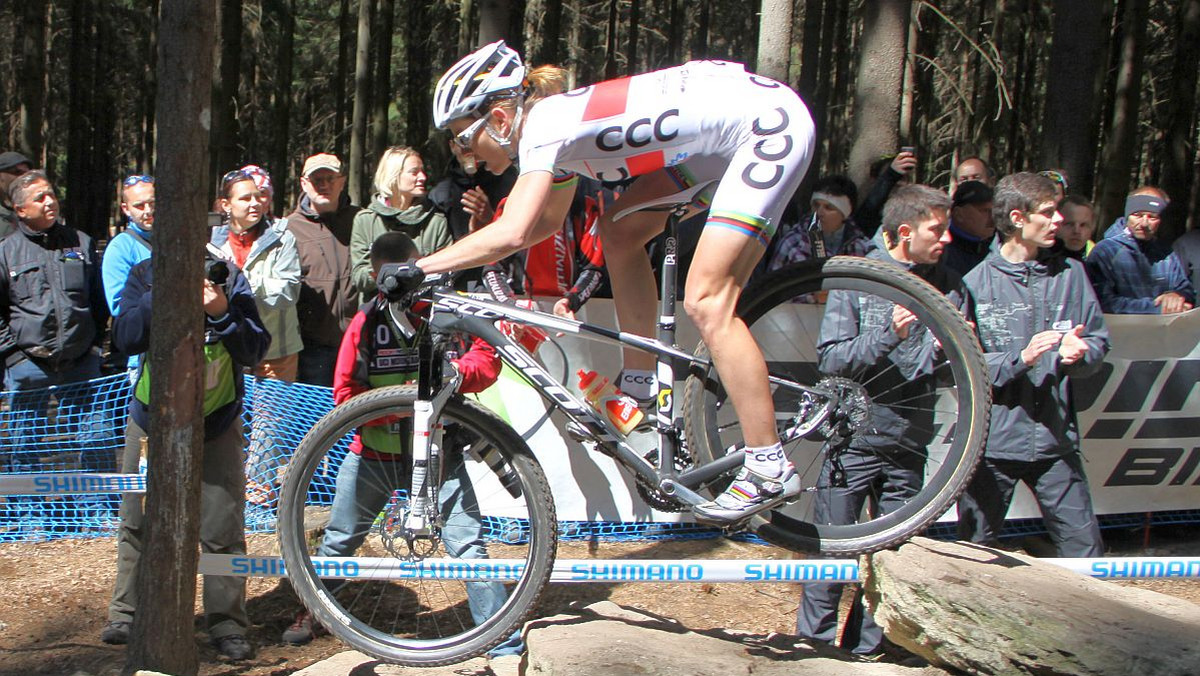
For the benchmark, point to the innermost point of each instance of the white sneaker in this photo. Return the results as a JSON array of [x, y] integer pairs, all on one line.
[[749, 494]]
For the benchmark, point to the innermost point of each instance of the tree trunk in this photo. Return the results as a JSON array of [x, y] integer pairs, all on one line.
[[381, 92], [1117, 158], [878, 85], [225, 90], [495, 22], [551, 32], [610, 43], [163, 637], [700, 39], [674, 32], [1179, 140], [635, 19], [466, 26], [358, 129], [282, 109], [810, 51], [145, 156], [340, 78], [79, 113], [1069, 127], [420, 73], [102, 139], [839, 94], [31, 77], [909, 87], [775, 39]]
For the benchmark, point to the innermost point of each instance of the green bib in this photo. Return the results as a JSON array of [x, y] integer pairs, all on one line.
[[220, 386]]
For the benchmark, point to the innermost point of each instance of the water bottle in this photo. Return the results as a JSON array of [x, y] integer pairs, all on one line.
[[622, 411]]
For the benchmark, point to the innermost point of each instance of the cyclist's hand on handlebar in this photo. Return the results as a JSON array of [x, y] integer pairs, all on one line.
[[397, 280]]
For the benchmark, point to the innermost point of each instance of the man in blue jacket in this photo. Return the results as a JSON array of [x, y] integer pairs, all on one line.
[[1135, 273], [234, 339], [1040, 325]]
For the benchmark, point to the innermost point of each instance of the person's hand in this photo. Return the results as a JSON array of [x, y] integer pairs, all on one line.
[[215, 302], [1072, 348], [476, 203], [902, 321], [1170, 302], [1040, 344], [562, 308], [904, 162]]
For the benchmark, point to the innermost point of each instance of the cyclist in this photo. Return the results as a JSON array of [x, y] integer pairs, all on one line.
[[673, 129]]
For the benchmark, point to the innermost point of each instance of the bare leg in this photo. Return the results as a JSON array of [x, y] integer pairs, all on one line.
[[723, 262], [629, 270]]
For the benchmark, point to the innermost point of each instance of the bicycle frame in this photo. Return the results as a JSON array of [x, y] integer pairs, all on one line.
[[474, 315]]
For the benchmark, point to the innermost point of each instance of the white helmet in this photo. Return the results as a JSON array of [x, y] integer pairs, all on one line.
[[487, 73]]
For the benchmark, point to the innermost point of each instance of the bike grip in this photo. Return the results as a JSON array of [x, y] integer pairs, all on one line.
[[397, 280]]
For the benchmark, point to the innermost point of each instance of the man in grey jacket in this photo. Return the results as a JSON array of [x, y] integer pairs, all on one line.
[[873, 341], [1040, 324]]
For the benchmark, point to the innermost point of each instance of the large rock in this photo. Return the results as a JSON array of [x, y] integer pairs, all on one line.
[[990, 612], [609, 640]]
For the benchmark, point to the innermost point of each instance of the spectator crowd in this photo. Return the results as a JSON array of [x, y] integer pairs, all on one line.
[[282, 292]]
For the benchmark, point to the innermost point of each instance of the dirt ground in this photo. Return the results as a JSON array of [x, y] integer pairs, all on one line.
[[54, 596]]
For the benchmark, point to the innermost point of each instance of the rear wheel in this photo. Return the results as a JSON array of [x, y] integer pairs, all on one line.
[[910, 419], [411, 602]]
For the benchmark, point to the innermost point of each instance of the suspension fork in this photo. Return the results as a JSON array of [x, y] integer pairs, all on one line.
[[426, 455]]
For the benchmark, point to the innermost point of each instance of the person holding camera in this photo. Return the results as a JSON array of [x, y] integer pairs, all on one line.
[[234, 339]]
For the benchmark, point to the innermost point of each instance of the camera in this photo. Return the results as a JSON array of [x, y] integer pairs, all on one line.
[[216, 271]]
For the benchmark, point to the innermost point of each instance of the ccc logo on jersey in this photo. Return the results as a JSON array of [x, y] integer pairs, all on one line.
[[639, 133]]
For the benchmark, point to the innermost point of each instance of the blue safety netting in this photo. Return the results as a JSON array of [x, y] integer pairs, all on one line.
[[80, 428]]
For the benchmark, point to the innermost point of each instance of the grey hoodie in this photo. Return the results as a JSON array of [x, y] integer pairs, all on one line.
[[1033, 409]]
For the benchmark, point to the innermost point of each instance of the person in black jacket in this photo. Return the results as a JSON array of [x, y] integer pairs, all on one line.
[[234, 339], [1040, 325], [868, 338], [52, 319]]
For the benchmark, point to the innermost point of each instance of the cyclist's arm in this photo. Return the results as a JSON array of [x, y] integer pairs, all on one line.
[[534, 212]]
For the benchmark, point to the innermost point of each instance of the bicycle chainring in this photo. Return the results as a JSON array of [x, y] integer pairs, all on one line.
[[654, 497]]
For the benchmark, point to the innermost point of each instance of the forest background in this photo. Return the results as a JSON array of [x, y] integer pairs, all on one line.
[[1105, 89]]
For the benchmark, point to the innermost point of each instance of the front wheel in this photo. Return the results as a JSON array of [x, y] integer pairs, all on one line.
[[891, 430], [435, 599]]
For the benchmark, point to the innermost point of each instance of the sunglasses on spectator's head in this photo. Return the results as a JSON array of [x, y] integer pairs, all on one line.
[[235, 176], [463, 138], [1056, 177], [133, 180]]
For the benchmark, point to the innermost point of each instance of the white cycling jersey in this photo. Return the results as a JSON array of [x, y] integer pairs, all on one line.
[[705, 119]]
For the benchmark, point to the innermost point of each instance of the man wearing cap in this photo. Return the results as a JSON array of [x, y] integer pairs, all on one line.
[[971, 228], [321, 224], [1134, 272], [12, 165]]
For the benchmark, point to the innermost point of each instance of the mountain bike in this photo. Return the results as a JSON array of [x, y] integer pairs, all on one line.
[[467, 514]]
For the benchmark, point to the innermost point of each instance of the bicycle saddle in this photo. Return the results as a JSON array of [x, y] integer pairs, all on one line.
[[666, 202]]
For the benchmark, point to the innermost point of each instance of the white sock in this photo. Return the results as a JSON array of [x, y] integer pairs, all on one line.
[[636, 383], [769, 461]]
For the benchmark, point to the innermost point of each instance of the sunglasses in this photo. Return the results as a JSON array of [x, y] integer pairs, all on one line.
[[133, 180], [1056, 177], [235, 176], [463, 138]]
